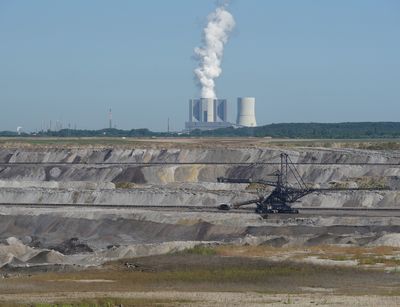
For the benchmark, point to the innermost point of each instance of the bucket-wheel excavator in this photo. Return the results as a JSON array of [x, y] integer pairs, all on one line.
[[283, 195]]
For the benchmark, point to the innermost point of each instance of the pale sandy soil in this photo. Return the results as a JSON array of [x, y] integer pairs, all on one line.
[[196, 142], [214, 298]]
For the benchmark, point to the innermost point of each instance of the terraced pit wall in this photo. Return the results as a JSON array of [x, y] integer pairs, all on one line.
[[116, 177]]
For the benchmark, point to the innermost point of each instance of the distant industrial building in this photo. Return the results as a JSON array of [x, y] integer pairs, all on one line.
[[209, 114]]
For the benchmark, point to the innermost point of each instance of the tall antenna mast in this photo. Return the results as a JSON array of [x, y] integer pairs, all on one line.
[[110, 119]]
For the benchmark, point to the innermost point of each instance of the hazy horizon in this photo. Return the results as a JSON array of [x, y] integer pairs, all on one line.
[[308, 61]]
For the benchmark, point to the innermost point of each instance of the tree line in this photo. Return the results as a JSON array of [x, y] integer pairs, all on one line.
[[361, 130]]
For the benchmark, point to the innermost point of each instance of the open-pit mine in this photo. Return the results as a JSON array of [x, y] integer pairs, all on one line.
[[132, 217]]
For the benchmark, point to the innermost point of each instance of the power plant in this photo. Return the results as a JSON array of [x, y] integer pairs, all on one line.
[[209, 114]]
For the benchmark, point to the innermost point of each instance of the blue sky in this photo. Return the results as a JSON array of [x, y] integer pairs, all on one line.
[[308, 60]]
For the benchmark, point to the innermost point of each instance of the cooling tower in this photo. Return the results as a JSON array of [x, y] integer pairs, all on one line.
[[246, 115]]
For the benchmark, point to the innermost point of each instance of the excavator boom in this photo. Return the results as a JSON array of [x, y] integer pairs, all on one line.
[[283, 194], [248, 180]]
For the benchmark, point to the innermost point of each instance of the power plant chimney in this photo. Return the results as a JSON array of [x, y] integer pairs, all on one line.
[[246, 112]]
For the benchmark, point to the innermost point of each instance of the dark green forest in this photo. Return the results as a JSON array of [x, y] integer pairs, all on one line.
[[314, 131], [362, 130]]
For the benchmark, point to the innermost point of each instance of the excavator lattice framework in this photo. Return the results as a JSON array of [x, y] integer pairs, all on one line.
[[283, 195]]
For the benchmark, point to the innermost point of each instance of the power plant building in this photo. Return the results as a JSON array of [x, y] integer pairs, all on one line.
[[207, 114]]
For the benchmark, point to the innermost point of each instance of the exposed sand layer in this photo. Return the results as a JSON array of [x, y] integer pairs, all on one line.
[[215, 298], [86, 237], [34, 175], [79, 175]]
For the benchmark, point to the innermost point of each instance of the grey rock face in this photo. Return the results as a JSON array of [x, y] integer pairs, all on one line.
[[91, 175]]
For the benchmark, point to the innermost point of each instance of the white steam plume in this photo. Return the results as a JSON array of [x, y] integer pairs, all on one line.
[[216, 34]]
